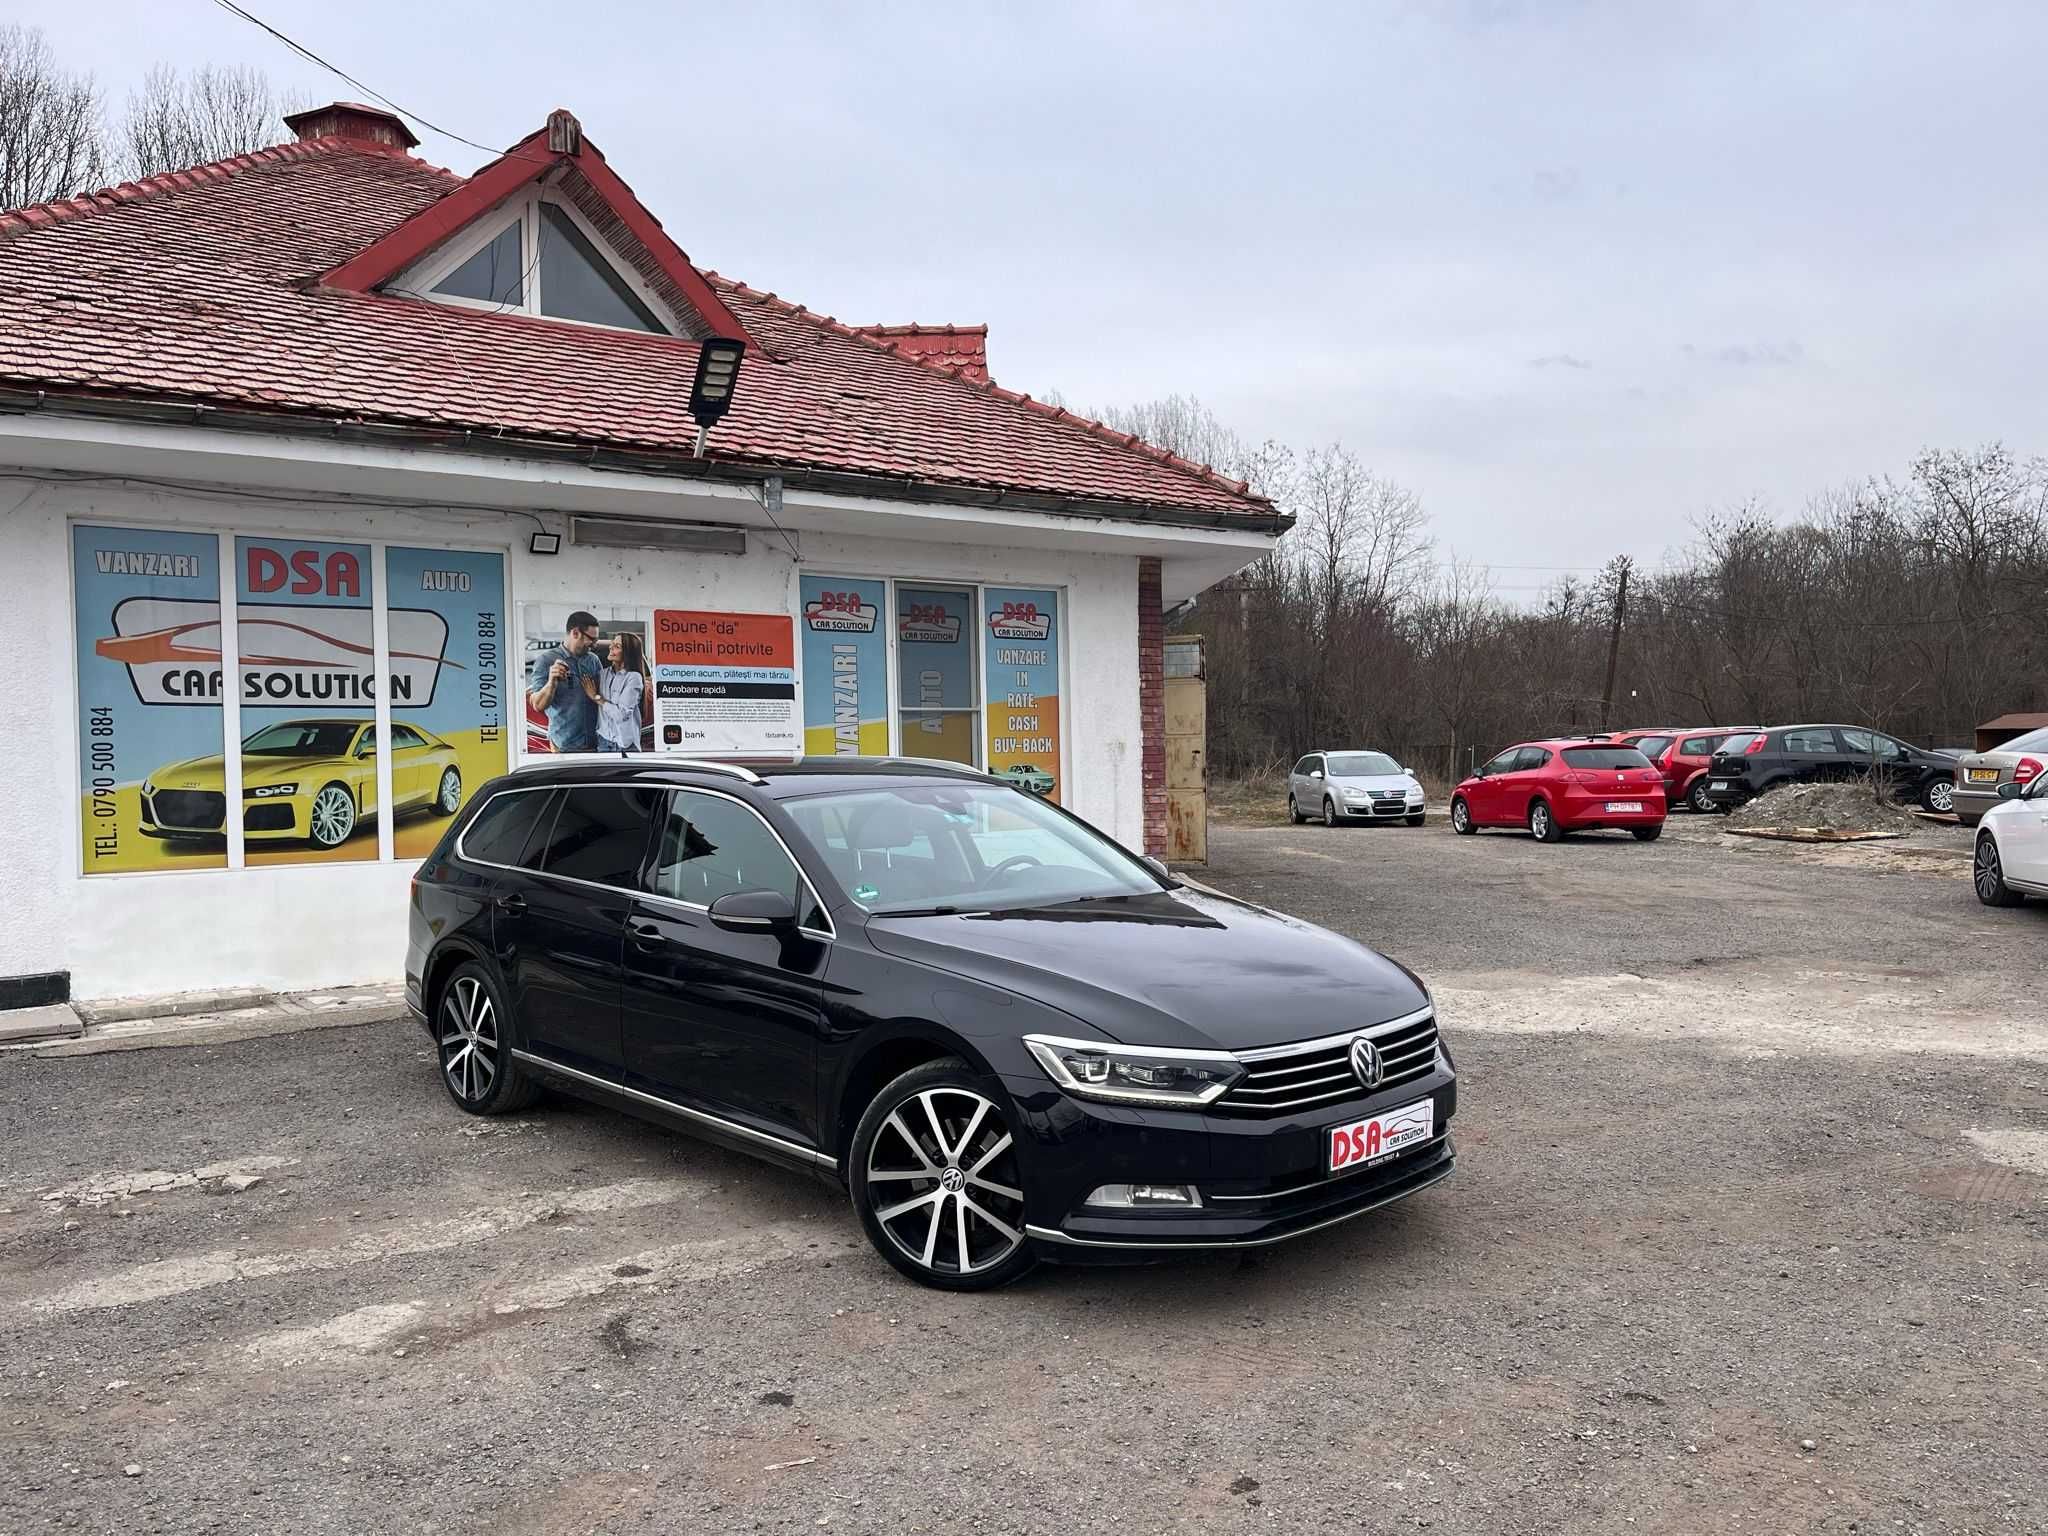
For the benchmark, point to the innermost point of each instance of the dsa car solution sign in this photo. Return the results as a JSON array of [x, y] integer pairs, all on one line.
[[1022, 650], [725, 684]]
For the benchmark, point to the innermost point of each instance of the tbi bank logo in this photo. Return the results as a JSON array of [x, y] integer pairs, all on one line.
[[315, 650]]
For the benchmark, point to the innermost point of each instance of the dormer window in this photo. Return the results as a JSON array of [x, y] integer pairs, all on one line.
[[538, 257]]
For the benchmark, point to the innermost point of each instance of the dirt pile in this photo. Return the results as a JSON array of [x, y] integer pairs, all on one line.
[[1825, 807]]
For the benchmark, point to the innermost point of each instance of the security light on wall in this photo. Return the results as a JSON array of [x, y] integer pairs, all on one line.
[[544, 544], [718, 370]]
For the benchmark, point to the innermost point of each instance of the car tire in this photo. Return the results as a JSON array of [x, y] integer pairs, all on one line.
[[1696, 797], [1939, 796], [1461, 817], [332, 818], [1647, 834], [1987, 874], [904, 1163], [477, 1066], [1294, 816], [448, 798], [1329, 812], [1416, 820], [1543, 822]]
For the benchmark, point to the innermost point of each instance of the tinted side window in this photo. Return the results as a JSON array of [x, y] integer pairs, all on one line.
[[1505, 763], [1696, 746], [599, 835], [1809, 743], [712, 847], [1530, 758], [499, 833]]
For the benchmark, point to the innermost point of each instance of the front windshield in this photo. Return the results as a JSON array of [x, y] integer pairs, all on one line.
[[961, 846], [1361, 765], [301, 738]]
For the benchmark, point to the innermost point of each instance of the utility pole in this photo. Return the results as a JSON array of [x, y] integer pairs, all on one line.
[[1620, 565]]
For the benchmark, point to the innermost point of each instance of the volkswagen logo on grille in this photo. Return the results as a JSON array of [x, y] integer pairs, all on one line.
[[1365, 1061]]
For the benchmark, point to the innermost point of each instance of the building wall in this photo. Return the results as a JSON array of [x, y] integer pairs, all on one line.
[[320, 925]]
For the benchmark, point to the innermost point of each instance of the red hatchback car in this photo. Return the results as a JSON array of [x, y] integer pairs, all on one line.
[[1555, 787]]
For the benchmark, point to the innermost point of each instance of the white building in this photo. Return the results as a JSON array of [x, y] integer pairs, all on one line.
[[310, 418]]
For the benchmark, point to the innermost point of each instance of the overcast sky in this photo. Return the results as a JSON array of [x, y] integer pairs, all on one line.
[[1576, 273]]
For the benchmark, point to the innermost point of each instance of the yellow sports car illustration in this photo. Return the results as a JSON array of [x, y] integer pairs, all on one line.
[[312, 780]]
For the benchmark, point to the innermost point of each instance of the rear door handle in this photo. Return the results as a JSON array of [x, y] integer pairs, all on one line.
[[649, 935], [513, 903]]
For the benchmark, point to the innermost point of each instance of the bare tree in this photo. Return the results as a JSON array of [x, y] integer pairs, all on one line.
[[50, 143], [179, 120]]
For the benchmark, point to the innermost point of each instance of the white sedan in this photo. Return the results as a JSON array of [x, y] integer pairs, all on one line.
[[2012, 845]]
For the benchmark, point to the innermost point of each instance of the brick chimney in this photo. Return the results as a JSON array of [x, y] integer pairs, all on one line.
[[352, 120]]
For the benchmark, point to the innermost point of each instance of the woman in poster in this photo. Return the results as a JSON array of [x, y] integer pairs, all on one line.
[[617, 692]]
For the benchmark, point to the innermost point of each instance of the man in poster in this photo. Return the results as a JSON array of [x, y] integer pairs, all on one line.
[[556, 686]]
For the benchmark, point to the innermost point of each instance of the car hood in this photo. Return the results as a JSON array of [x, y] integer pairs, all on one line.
[[1181, 968], [1362, 781], [211, 772]]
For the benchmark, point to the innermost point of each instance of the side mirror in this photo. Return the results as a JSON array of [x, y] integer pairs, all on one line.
[[754, 912], [2011, 791], [1315, 773]]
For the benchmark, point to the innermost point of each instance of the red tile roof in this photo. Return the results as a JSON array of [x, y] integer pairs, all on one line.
[[206, 286], [962, 350]]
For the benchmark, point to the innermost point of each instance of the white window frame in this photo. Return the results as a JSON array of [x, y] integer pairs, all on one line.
[[979, 615], [230, 658], [419, 280]]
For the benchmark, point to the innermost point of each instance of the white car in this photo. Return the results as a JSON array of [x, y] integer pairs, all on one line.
[[1341, 785], [2012, 845]]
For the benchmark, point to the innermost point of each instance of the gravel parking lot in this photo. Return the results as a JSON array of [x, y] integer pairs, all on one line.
[[1748, 1234]]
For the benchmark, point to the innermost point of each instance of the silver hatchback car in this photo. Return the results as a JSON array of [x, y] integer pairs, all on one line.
[[1979, 774], [1346, 786]]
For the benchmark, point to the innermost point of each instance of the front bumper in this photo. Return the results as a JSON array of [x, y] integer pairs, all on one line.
[[1379, 810], [1262, 1180]]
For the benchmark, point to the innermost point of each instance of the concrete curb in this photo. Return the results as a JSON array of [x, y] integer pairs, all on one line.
[[51, 1021], [213, 1018]]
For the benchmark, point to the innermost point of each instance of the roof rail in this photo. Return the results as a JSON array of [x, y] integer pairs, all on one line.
[[966, 770], [652, 760]]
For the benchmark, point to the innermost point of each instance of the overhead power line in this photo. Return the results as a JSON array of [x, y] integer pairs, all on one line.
[[341, 74]]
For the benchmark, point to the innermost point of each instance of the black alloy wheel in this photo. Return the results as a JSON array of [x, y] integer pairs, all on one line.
[[477, 1067], [1988, 875], [933, 1171]]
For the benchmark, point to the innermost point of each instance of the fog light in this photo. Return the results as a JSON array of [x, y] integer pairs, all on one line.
[[1132, 1196]]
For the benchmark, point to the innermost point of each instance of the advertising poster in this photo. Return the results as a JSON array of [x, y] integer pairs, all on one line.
[[725, 684], [935, 662], [308, 692], [1023, 650], [452, 739], [846, 667], [149, 712], [609, 648]]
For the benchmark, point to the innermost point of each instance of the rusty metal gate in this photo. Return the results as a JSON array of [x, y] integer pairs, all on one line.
[[1187, 754]]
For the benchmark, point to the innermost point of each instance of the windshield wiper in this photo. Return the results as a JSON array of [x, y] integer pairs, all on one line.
[[923, 911]]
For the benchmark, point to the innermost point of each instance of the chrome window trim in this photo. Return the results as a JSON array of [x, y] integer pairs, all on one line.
[[829, 933], [733, 1127], [1054, 1235], [1329, 1178], [1332, 1042]]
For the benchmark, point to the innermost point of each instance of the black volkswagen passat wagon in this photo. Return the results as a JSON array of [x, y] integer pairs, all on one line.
[[1008, 1038]]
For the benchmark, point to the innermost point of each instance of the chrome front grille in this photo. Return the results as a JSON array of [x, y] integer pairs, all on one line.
[[1290, 1078]]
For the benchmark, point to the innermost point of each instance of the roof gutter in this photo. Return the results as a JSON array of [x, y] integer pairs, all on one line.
[[586, 455]]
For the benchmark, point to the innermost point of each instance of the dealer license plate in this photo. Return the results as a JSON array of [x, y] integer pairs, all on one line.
[[1365, 1142], [1720, 784], [1614, 806], [1981, 775]]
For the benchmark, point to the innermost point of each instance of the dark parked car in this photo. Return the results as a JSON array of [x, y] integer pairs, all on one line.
[[1007, 1037], [1752, 762]]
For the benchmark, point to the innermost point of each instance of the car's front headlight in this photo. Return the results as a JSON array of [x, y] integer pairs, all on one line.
[[271, 791], [1125, 1074]]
